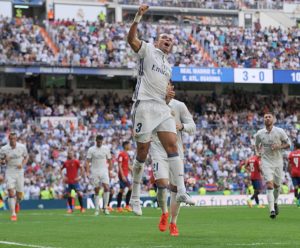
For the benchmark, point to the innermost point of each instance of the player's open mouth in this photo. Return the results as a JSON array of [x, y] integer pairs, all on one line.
[[167, 44]]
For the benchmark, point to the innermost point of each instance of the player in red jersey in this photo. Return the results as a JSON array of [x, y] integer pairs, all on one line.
[[72, 178], [253, 165], [124, 176], [294, 169]]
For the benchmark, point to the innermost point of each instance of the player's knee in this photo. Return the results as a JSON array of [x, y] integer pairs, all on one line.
[[11, 195], [161, 183], [106, 188], [142, 151], [270, 185], [173, 188], [171, 148]]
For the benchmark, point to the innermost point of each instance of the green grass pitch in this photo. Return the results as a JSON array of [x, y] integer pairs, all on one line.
[[198, 226]]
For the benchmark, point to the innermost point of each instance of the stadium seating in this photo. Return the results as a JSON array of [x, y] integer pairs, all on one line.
[[104, 45]]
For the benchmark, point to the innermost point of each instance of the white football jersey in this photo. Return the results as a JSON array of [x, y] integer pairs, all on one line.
[[98, 157], [266, 139], [154, 74], [14, 156], [181, 115]]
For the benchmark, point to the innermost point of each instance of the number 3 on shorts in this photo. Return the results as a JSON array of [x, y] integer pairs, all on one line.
[[139, 127]]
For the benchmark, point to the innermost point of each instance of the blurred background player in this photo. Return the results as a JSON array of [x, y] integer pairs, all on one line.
[[15, 156], [98, 172], [161, 168], [150, 112], [74, 172], [124, 177], [294, 169], [269, 143], [253, 165]]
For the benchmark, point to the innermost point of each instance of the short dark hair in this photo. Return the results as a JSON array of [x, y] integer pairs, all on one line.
[[268, 113], [297, 145], [12, 134], [99, 137], [125, 143]]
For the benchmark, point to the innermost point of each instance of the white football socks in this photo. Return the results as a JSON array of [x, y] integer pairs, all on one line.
[[162, 199], [276, 194], [105, 199], [97, 202], [177, 170], [137, 174], [12, 205], [270, 196], [174, 208]]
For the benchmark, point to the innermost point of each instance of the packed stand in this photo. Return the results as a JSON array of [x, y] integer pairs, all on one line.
[[272, 48], [203, 4], [101, 44], [22, 43], [214, 156], [215, 4]]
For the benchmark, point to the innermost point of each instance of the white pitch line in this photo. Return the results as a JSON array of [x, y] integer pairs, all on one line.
[[24, 245], [93, 216], [259, 244]]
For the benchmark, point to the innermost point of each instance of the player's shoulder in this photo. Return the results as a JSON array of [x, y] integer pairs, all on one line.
[[147, 45], [106, 148], [278, 129], [20, 145], [261, 131], [91, 148], [176, 102], [5, 147], [177, 105]]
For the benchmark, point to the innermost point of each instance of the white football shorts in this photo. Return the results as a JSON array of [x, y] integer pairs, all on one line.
[[97, 179], [272, 174], [150, 117], [161, 170], [15, 181]]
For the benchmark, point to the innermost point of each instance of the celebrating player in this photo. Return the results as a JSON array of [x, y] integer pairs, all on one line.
[[253, 165], [294, 169], [269, 143], [161, 168], [124, 178], [72, 167], [15, 156], [97, 172], [150, 113]]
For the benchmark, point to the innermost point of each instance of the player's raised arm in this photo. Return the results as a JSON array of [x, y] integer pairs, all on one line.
[[132, 38]]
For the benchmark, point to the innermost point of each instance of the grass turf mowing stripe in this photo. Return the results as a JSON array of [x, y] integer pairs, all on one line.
[[24, 245]]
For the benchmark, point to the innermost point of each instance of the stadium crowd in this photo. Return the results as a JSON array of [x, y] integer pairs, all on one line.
[[214, 156], [21, 42], [101, 44], [213, 4], [258, 48]]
